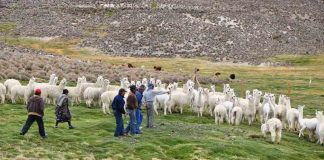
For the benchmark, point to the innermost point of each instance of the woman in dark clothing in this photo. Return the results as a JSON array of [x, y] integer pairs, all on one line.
[[62, 111]]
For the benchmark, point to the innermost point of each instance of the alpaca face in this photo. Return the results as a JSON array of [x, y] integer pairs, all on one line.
[[300, 107], [264, 129]]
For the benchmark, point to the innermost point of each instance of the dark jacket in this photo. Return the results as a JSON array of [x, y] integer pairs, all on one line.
[[62, 110], [35, 106], [132, 101], [118, 104]]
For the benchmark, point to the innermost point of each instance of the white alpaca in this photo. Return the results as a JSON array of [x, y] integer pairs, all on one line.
[[212, 98], [320, 127], [158, 83], [52, 92], [85, 85], [220, 114], [199, 101], [273, 126], [52, 80], [279, 109], [106, 99], [124, 83], [145, 82], [92, 94], [74, 92], [20, 91], [250, 110], [138, 84], [236, 115], [159, 100], [306, 123], [226, 87], [9, 83], [258, 106], [267, 108], [178, 99], [2, 93], [152, 81], [292, 116], [44, 86]]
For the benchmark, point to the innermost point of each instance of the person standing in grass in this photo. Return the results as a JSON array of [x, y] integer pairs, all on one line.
[[62, 110], [118, 109], [35, 108], [138, 113], [148, 98], [132, 105]]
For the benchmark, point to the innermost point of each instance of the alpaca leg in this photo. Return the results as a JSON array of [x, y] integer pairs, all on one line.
[[232, 120], [216, 119], [289, 124], [104, 108], [227, 120], [301, 131], [273, 136], [2, 99], [210, 111], [155, 110], [237, 121], [181, 109], [278, 136], [169, 108], [221, 119], [311, 135], [261, 118], [13, 100], [89, 103], [165, 109]]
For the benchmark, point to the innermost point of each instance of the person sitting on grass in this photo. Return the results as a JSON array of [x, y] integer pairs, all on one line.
[[118, 109], [62, 110], [35, 108]]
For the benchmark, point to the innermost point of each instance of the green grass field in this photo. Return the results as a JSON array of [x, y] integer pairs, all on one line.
[[176, 136]]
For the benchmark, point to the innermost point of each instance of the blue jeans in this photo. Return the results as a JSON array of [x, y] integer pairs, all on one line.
[[119, 124], [30, 120], [139, 119], [132, 122]]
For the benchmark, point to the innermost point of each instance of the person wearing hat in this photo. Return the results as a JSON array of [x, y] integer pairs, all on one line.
[[118, 109], [132, 105], [148, 98], [62, 110], [35, 108], [138, 112]]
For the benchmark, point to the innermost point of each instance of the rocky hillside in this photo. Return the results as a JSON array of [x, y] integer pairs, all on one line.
[[220, 29]]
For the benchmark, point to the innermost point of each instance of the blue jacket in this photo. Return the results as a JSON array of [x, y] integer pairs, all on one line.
[[139, 97], [118, 104]]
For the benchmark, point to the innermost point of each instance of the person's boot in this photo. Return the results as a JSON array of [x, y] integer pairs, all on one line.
[[71, 127]]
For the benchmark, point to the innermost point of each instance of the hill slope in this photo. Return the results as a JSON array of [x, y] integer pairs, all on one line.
[[220, 29]]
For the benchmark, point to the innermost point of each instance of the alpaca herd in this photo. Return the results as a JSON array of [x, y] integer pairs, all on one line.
[[224, 106]]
